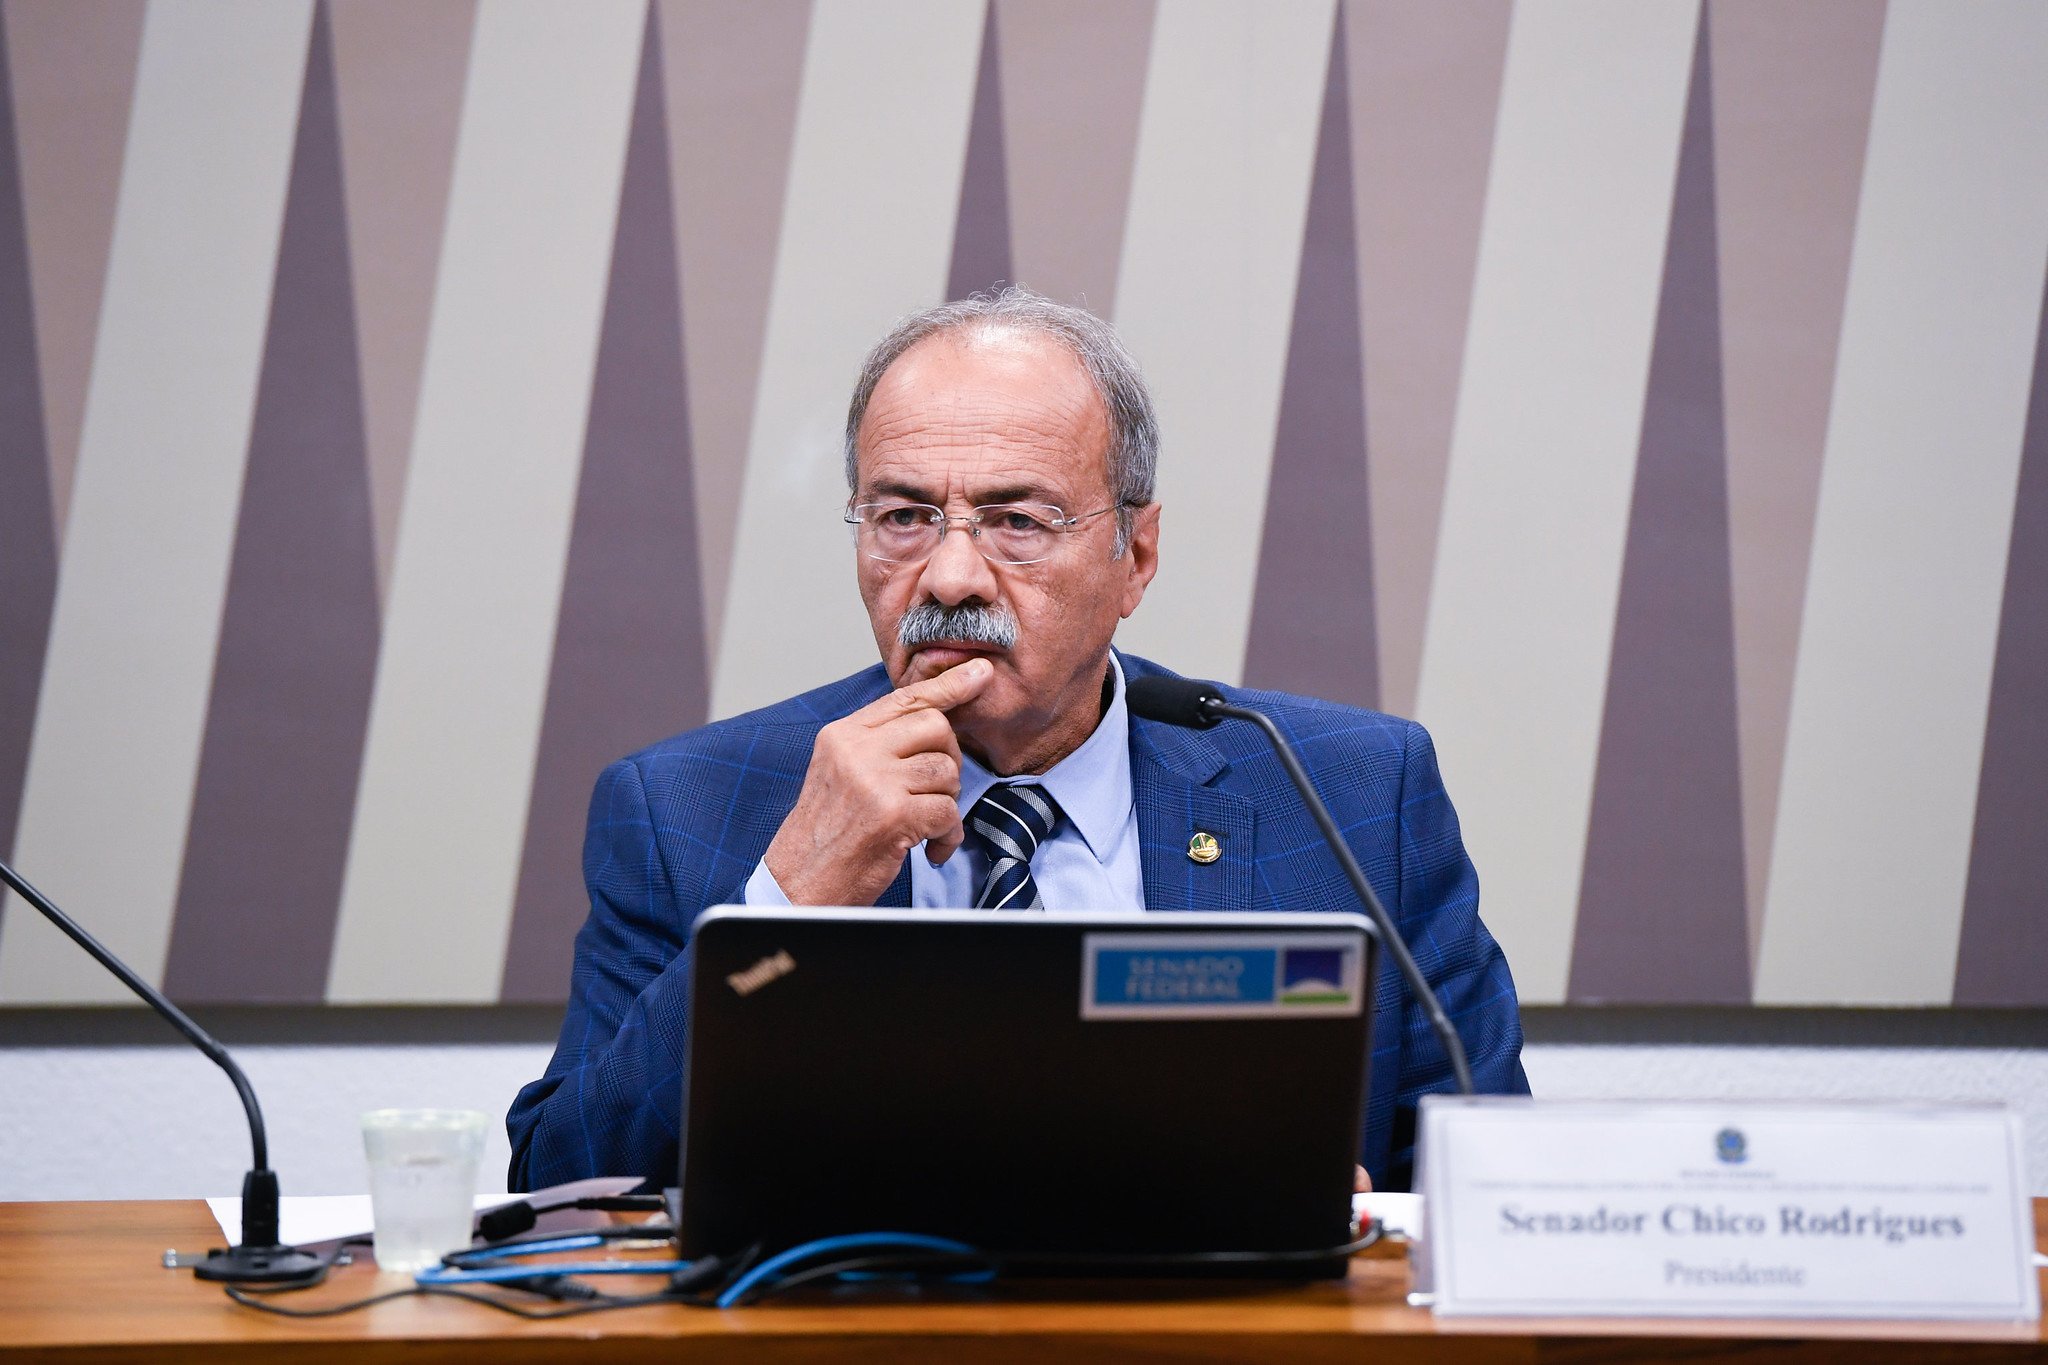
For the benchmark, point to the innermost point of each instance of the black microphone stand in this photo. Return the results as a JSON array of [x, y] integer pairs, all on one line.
[[259, 1258], [1215, 708]]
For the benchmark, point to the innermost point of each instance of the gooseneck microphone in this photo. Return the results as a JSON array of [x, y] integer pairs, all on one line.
[[259, 1258], [1200, 706]]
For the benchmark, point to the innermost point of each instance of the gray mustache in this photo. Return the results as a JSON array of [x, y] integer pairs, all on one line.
[[929, 623]]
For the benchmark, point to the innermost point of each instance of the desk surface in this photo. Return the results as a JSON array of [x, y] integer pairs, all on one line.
[[85, 1281]]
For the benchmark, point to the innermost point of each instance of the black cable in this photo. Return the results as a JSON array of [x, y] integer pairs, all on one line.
[[600, 1305], [557, 1287], [604, 1303], [535, 1283], [683, 1288], [708, 1276], [249, 1300], [916, 1262], [998, 1262]]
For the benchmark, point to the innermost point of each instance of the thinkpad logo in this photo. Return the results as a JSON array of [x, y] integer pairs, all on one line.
[[761, 973]]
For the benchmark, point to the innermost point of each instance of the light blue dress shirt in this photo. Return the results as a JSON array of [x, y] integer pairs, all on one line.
[[1090, 862]]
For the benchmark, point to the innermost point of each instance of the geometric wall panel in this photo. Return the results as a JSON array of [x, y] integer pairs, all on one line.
[[407, 406]]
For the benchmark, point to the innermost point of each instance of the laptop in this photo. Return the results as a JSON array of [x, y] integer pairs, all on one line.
[[1074, 1091]]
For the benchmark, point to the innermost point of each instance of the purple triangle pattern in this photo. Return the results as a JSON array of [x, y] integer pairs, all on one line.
[[1662, 916], [630, 662], [1313, 623], [264, 858], [981, 235], [2005, 933], [28, 537]]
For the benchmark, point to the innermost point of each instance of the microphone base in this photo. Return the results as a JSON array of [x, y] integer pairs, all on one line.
[[257, 1265]]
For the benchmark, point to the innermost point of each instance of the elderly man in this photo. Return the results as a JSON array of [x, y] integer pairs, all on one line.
[[999, 456]]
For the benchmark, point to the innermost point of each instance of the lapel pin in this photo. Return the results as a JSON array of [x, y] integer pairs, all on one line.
[[1203, 848]]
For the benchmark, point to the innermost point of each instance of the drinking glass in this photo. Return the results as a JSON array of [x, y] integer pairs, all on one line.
[[423, 1165]]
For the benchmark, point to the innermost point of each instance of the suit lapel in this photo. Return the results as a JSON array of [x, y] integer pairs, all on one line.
[[1171, 775]]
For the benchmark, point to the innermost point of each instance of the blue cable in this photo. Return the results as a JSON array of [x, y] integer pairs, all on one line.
[[575, 1242], [983, 1276], [908, 1241], [492, 1265], [503, 1273]]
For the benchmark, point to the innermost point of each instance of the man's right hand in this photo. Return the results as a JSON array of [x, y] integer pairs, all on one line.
[[881, 781]]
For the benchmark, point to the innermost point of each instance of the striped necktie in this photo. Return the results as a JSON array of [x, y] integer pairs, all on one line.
[[1008, 824]]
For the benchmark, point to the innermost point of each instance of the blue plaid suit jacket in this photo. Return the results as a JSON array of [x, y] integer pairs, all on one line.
[[681, 825]]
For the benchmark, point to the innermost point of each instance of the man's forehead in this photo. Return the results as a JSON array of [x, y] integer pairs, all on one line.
[[981, 473], [1004, 414], [962, 364]]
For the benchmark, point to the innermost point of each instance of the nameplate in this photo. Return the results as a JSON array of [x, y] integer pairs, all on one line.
[[1707, 1209]]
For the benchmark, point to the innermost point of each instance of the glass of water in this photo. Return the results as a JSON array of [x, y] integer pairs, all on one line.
[[422, 1182]]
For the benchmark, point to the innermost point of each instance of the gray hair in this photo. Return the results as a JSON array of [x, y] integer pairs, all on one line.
[[1133, 454]]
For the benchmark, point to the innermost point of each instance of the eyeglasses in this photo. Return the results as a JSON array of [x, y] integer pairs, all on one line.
[[1005, 533]]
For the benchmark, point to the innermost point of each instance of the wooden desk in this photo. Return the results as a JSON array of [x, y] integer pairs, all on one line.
[[84, 1283]]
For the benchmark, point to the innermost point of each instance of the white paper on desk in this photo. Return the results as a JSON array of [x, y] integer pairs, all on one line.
[[316, 1221], [1399, 1214]]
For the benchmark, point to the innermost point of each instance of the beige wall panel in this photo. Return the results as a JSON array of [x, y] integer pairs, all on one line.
[[867, 236], [1886, 738], [72, 67], [1792, 91], [399, 67], [1543, 449], [1205, 296], [1425, 83], [161, 450], [483, 537], [1073, 86], [731, 77]]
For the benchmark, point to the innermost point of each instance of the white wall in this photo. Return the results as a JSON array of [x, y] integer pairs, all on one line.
[[162, 1122], [132, 1118]]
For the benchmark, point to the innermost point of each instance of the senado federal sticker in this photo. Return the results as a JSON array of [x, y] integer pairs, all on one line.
[[1221, 976]]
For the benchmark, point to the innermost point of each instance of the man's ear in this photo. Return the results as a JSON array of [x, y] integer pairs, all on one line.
[[1142, 555]]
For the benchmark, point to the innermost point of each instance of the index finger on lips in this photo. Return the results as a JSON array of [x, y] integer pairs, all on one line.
[[960, 683]]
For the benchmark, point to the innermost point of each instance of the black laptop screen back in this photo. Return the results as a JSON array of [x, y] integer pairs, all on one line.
[[937, 1075]]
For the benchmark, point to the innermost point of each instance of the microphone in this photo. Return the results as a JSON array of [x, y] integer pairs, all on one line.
[[259, 1258], [1201, 706]]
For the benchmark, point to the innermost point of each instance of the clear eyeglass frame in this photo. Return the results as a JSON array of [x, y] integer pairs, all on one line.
[[918, 538]]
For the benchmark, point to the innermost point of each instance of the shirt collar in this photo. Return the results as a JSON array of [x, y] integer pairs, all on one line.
[[1092, 784]]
